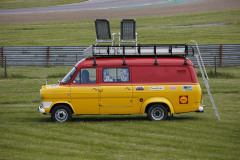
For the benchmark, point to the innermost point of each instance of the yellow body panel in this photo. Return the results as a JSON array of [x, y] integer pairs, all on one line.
[[169, 95], [85, 99], [55, 92], [123, 99]]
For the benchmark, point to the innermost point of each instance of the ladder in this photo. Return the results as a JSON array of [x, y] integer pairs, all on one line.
[[205, 77]]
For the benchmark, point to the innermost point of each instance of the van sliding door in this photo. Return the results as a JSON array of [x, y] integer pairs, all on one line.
[[115, 91]]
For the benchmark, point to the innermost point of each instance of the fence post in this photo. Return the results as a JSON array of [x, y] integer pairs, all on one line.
[[2, 55], [5, 73], [215, 64], [48, 56], [220, 55]]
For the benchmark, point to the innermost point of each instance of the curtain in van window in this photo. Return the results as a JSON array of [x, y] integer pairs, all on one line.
[[116, 75]]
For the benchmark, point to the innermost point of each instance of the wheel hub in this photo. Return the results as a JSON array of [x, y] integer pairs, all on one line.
[[61, 115], [157, 113]]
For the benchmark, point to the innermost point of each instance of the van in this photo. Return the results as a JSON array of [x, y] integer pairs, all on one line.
[[155, 80]]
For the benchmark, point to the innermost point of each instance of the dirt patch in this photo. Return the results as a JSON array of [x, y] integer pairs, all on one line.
[[194, 6]]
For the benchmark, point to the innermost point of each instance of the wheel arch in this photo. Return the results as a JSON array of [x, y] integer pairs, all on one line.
[[157, 100], [62, 103]]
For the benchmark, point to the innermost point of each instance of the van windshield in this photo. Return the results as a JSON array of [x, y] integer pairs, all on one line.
[[68, 77]]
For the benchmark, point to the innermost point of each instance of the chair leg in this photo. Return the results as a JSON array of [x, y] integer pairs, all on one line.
[[96, 42], [136, 40], [95, 46], [136, 48]]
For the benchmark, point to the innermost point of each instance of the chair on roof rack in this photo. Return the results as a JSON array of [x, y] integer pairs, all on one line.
[[128, 32], [103, 33]]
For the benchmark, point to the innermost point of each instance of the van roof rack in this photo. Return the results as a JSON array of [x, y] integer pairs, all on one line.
[[154, 50]]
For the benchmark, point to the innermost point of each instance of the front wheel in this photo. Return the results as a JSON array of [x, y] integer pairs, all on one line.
[[157, 112], [61, 113]]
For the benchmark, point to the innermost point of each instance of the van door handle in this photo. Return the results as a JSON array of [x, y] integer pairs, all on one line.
[[94, 89], [128, 88]]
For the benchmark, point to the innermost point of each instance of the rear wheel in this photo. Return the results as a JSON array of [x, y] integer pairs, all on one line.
[[157, 112], [61, 113]]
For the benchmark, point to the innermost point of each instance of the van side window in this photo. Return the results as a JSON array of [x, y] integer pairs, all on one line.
[[86, 75], [116, 75]]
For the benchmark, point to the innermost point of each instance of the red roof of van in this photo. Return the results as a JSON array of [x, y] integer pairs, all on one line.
[[133, 61]]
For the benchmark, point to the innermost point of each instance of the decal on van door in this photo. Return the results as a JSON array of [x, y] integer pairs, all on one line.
[[183, 99]]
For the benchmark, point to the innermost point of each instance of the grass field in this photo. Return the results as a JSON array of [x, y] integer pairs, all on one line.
[[155, 30], [27, 134], [10, 4]]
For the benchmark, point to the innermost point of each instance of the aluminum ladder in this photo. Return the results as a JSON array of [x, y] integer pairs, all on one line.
[[205, 77]]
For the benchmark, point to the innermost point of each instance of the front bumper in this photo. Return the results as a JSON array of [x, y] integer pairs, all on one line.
[[41, 110], [45, 107]]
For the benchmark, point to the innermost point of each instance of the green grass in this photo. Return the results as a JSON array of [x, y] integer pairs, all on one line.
[[219, 74], [10, 4], [149, 29], [27, 134]]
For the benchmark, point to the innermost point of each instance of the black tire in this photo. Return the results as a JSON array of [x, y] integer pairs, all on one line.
[[61, 113], [157, 112]]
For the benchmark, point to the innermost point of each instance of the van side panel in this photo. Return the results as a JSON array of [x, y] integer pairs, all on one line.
[[161, 74], [193, 74], [176, 84], [181, 100]]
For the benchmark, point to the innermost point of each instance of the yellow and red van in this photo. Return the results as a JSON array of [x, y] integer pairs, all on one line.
[[155, 85]]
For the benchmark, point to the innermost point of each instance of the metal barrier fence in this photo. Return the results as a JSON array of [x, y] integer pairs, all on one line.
[[222, 55], [42, 56]]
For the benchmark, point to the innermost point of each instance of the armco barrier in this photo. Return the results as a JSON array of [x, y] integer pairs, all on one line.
[[226, 55], [42, 56]]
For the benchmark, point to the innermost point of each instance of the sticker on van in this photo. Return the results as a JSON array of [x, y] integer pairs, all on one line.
[[183, 99], [156, 88], [187, 88], [140, 88], [173, 87]]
